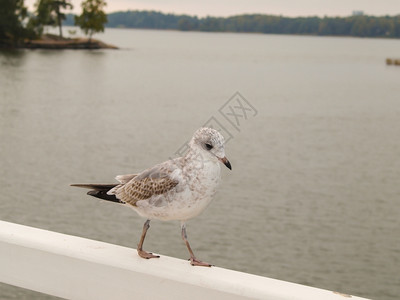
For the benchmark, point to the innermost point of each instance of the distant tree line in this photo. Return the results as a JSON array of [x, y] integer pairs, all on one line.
[[360, 26]]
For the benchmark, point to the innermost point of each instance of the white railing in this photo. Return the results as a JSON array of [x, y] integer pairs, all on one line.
[[76, 268]]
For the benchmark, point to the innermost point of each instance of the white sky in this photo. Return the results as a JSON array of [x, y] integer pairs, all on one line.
[[234, 7]]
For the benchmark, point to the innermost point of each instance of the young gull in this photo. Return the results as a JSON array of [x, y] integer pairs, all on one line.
[[177, 189]]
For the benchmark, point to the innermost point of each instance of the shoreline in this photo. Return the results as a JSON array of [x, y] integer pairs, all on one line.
[[50, 41]]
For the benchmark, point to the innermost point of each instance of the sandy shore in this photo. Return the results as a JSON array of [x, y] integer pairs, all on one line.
[[55, 42]]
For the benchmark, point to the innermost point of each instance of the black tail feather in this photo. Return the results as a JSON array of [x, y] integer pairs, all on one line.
[[100, 191], [96, 187], [103, 195]]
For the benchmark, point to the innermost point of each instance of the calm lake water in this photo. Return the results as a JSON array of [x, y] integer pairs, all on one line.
[[314, 195]]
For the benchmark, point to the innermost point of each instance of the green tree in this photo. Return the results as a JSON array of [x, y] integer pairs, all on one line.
[[93, 17], [187, 24], [49, 12], [43, 16], [12, 14], [359, 27]]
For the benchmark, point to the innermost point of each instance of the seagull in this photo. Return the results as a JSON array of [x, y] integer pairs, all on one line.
[[177, 189]]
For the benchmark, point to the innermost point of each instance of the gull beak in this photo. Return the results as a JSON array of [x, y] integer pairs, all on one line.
[[226, 162]]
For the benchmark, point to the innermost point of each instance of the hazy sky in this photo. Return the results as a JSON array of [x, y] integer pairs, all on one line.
[[234, 7]]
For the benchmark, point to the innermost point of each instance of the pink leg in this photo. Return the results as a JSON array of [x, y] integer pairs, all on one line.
[[140, 250], [193, 260]]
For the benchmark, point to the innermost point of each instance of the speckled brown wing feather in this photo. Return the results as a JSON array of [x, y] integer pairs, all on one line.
[[149, 183], [136, 190]]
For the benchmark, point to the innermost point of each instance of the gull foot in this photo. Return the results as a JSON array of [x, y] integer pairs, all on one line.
[[195, 262], [147, 255]]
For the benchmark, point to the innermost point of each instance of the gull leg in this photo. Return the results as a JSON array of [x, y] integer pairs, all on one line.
[[140, 250], [193, 260]]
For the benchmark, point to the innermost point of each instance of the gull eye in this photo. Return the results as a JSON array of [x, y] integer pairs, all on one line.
[[209, 146]]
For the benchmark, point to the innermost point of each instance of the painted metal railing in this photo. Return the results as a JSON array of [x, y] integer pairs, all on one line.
[[77, 268]]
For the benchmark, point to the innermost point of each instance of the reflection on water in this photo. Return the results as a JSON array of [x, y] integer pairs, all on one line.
[[12, 57], [313, 195]]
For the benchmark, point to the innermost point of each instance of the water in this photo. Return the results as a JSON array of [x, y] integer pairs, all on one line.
[[313, 197]]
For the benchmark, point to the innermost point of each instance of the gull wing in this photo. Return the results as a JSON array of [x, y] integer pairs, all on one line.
[[125, 178], [151, 182]]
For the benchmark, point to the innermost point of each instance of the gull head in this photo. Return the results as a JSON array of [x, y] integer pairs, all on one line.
[[210, 143]]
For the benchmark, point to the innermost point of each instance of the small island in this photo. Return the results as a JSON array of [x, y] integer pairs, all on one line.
[[25, 30], [51, 41]]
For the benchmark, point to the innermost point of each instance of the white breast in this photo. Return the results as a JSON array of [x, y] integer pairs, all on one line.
[[189, 198]]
